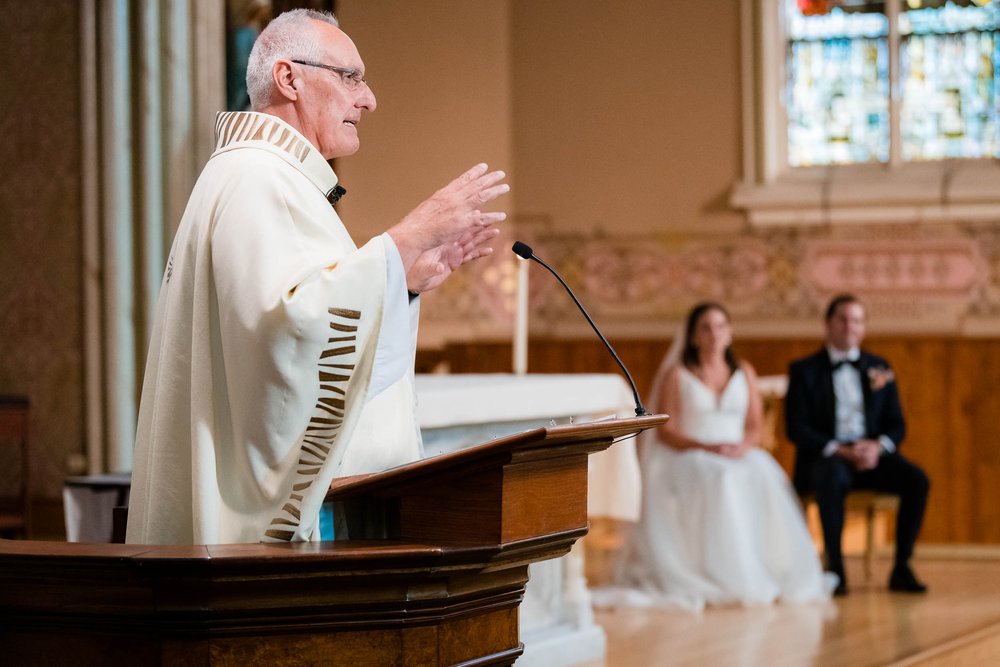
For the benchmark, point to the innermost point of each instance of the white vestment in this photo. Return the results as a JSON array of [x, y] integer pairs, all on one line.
[[281, 354]]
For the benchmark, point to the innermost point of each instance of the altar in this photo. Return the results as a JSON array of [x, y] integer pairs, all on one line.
[[455, 411]]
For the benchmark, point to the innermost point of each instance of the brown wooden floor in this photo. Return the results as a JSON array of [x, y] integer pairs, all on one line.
[[869, 627]]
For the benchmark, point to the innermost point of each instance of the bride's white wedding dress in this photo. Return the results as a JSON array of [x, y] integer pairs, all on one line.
[[716, 530]]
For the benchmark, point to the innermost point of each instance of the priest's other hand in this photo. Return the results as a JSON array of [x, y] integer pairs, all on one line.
[[433, 266]]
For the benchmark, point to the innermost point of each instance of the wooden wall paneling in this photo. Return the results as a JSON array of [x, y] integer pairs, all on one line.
[[930, 439], [934, 444], [480, 358], [550, 356], [984, 477], [986, 516], [927, 423], [960, 398], [650, 356], [947, 386], [643, 358]]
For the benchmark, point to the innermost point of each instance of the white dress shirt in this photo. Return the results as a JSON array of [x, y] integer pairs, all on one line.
[[849, 403]]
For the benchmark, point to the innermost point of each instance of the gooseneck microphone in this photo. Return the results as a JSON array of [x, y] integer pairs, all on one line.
[[523, 250]]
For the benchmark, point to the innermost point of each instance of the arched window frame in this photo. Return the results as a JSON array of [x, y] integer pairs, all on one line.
[[772, 193]]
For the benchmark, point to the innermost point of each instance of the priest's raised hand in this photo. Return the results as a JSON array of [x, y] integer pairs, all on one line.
[[452, 215]]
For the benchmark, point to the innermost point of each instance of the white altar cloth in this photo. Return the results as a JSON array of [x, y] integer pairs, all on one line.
[[455, 411]]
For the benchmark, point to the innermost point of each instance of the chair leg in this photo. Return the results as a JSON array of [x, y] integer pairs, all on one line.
[[869, 541]]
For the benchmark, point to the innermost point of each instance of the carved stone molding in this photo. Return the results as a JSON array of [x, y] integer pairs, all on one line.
[[916, 279]]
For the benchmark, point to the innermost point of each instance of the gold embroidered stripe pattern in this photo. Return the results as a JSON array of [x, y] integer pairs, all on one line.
[[332, 402], [235, 126], [335, 413], [338, 351], [328, 417]]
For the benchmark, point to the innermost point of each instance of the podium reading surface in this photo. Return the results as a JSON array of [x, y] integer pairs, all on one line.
[[512, 489]]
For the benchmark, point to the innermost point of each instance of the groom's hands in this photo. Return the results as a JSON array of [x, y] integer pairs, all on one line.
[[862, 454], [866, 454]]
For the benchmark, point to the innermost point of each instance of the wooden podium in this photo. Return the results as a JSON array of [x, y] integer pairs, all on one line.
[[435, 579]]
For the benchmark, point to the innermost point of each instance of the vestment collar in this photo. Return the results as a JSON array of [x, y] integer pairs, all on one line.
[[251, 129]]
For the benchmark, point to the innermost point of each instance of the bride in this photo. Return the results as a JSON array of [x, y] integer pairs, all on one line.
[[720, 523]]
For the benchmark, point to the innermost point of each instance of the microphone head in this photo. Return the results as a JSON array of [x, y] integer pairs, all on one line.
[[522, 250], [334, 195]]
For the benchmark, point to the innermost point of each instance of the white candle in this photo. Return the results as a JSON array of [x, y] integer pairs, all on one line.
[[521, 320]]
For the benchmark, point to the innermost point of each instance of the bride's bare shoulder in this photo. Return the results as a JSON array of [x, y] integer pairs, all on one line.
[[748, 369], [672, 376]]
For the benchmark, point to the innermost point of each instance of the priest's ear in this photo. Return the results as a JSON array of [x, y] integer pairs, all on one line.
[[286, 84]]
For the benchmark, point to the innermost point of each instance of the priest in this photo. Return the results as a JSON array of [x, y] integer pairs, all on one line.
[[281, 354]]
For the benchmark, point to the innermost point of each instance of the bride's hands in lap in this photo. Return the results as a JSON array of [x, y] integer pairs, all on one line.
[[732, 450]]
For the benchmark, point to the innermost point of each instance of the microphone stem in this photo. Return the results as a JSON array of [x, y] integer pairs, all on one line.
[[639, 409]]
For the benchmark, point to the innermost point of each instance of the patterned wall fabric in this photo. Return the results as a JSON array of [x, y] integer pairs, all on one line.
[[40, 231]]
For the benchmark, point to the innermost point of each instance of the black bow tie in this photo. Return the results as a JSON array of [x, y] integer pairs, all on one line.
[[836, 365], [334, 195]]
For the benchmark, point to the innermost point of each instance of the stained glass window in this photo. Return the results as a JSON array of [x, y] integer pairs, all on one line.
[[839, 56], [838, 87], [949, 57]]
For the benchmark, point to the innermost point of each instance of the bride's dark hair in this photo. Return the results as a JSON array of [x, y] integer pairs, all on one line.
[[690, 354]]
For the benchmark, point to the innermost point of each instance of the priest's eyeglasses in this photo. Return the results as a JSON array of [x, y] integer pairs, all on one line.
[[352, 78]]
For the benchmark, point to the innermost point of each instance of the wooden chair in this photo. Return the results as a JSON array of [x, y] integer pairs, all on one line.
[[871, 503], [15, 502], [868, 503]]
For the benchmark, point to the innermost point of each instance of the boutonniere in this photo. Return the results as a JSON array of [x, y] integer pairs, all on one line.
[[879, 376]]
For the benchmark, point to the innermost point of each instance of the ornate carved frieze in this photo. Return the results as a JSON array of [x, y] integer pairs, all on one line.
[[916, 278]]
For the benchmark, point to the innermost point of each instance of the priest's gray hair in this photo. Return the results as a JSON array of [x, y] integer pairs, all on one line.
[[291, 35]]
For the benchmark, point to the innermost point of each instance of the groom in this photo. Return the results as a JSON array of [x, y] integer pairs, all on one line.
[[842, 411]]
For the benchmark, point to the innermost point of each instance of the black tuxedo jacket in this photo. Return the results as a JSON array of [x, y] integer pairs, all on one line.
[[810, 420]]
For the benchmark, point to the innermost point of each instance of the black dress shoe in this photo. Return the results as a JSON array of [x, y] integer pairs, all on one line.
[[841, 589], [902, 580]]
